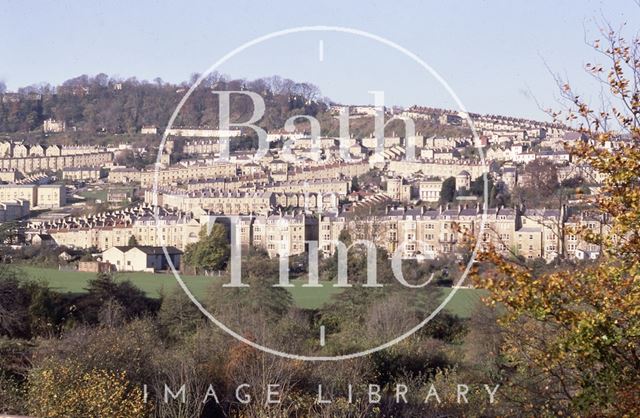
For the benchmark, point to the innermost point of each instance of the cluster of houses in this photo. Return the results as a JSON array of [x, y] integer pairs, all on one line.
[[415, 232], [303, 190], [36, 158]]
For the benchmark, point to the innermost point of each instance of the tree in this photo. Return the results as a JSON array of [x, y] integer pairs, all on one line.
[[104, 289], [178, 316], [212, 250], [448, 191], [67, 390], [9, 233], [251, 308], [574, 333], [14, 301], [133, 241], [355, 185], [477, 185], [540, 184]]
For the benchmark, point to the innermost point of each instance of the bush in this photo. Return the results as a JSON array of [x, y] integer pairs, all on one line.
[[67, 390]]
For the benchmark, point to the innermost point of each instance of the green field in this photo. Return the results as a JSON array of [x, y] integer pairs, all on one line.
[[100, 192], [155, 284], [96, 194], [462, 304]]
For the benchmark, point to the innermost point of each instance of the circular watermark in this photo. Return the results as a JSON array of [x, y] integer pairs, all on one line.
[[359, 33]]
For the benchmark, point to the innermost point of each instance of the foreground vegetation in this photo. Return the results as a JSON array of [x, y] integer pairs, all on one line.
[[572, 336], [64, 352]]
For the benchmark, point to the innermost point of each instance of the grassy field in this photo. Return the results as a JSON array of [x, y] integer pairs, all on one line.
[[462, 304], [151, 284], [99, 192], [155, 284], [95, 194]]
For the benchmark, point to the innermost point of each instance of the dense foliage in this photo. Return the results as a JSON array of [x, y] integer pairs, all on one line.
[[573, 335], [107, 104]]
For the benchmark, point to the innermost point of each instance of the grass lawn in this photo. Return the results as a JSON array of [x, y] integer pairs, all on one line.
[[462, 304], [312, 297], [154, 284], [99, 192], [151, 284], [96, 194]]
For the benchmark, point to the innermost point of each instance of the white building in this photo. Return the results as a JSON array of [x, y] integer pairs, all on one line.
[[141, 258]]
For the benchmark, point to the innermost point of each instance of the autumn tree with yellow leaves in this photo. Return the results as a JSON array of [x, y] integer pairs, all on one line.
[[69, 390], [571, 337]]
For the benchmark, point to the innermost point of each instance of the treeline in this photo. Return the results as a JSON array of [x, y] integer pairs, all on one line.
[[112, 105]]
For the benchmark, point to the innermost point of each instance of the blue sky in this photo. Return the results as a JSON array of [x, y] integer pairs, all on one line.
[[492, 53]]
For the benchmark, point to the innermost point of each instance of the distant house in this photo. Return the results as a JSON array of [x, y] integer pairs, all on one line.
[[83, 173], [463, 180], [141, 258], [587, 251], [95, 266], [36, 151], [118, 196], [21, 150], [69, 255], [149, 130], [450, 119], [40, 240]]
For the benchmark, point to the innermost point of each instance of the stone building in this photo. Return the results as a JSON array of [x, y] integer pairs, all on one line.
[[41, 196], [13, 209], [82, 173]]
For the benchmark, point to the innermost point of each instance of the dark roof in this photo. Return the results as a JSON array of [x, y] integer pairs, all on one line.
[[45, 237], [148, 249]]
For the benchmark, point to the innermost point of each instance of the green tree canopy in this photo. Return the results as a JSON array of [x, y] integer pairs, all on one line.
[[211, 252], [448, 191]]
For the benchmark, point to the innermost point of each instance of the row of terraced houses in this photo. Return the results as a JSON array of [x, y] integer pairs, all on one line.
[[416, 233]]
